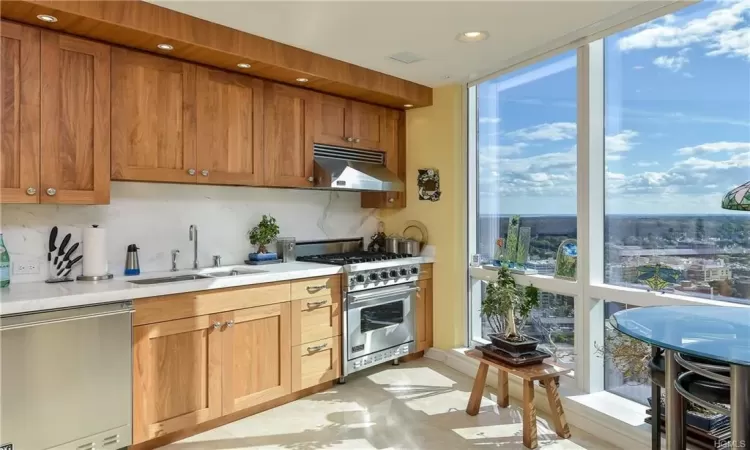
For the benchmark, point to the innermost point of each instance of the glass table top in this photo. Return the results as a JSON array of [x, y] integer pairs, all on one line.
[[721, 333]]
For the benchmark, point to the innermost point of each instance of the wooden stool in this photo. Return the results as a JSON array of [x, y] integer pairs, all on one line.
[[528, 374]]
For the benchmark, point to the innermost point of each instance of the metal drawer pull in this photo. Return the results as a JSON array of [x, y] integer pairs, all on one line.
[[217, 325], [312, 289], [317, 348], [316, 304], [229, 323]]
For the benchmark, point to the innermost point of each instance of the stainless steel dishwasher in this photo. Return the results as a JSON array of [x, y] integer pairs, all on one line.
[[66, 378]]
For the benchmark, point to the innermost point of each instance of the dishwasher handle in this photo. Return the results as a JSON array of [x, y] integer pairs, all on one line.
[[65, 315]]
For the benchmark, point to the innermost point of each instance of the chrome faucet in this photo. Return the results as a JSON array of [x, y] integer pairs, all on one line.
[[194, 238]]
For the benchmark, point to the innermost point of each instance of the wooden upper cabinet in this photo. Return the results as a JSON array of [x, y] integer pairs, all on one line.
[[177, 371], [75, 121], [153, 118], [332, 121], [288, 143], [230, 128], [368, 126], [256, 356], [19, 117], [393, 144]]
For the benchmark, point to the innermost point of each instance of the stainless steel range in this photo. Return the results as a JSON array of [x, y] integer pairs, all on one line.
[[379, 295]]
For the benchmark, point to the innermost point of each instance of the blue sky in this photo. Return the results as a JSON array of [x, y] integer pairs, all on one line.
[[677, 120]]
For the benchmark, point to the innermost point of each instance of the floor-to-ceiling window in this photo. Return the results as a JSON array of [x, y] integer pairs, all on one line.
[[629, 145]]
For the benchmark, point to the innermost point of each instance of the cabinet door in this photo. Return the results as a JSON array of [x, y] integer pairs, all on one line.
[[153, 118], [332, 121], [315, 363], [256, 356], [368, 126], [19, 118], [394, 144], [288, 146], [424, 315], [176, 375], [230, 128], [75, 120]]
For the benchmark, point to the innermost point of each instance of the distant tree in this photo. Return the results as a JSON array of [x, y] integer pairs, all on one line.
[[722, 287]]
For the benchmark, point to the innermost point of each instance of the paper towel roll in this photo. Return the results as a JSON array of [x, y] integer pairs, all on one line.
[[94, 251]]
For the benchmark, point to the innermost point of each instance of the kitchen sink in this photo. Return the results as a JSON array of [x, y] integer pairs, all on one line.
[[233, 272], [170, 279]]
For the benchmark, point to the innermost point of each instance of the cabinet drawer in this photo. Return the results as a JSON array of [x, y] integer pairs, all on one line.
[[425, 272], [314, 319], [315, 363], [317, 287], [190, 304]]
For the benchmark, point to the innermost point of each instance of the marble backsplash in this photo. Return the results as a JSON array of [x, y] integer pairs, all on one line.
[[156, 218]]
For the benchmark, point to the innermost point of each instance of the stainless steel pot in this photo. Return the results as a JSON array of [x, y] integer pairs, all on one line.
[[409, 247], [392, 244]]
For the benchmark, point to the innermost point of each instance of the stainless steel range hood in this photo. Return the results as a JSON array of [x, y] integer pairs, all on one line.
[[354, 170]]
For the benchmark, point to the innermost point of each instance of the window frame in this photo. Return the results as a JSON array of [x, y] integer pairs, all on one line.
[[589, 290]]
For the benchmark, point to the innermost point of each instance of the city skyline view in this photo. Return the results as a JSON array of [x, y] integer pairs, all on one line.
[[676, 140]]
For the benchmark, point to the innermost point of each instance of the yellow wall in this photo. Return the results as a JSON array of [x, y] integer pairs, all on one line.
[[434, 139]]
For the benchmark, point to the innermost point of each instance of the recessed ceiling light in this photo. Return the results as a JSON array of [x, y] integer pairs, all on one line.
[[472, 36], [302, 80], [166, 47], [243, 65], [46, 18], [408, 105]]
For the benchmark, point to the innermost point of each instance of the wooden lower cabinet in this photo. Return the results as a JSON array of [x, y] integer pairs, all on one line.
[[316, 362], [424, 315], [256, 356], [177, 368]]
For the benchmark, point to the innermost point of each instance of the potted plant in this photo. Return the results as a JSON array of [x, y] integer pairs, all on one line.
[[507, 306], [264, 233]]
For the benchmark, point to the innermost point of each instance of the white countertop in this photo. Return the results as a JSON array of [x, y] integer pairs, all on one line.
[[41, 296]]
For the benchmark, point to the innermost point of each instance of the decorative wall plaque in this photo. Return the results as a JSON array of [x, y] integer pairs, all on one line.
[[428, 183]]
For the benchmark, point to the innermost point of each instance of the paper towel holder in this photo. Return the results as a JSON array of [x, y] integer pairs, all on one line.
[[108, 276]]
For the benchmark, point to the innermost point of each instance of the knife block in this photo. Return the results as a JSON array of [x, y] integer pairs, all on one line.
[[52, 271]]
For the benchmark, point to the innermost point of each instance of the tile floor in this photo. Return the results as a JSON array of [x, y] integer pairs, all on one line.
[[417, 405]]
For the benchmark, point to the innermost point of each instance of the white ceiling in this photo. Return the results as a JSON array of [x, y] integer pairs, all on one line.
[[366, 32]]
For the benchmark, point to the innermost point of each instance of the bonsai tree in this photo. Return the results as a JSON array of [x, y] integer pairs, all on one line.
[[264, 233], [507, 306]]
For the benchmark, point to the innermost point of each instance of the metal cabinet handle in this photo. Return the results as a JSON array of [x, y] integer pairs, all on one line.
[[204, 172], [217, 325], [229, 323], [191, 171], [350, 139], [316, 304], [313, 289], [30, 191], [356, 141], [51, 191], [310, 179], [391, 200], [317, 348]]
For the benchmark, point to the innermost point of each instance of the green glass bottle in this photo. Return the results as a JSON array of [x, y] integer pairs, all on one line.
[[4, 264]]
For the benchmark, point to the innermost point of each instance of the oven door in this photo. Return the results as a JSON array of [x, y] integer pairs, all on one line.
[[380, 318]]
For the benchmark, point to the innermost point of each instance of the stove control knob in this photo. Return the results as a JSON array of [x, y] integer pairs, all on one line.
[[374, 277], [384, 275], [393, 274], [360, 278], [414, 270], [403, 272]]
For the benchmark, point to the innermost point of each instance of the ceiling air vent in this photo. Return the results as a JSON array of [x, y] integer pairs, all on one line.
[[406, 57]]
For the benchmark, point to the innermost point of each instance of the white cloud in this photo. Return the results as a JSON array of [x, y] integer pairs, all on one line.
[[490, 120], [716, 31], [687, 75], [617, 144], [501, 150], [646, 163], [638, 67], [673, 63], [715, 147], [557, 131]]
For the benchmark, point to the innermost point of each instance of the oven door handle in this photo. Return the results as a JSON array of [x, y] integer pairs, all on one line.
[[356, 298]]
